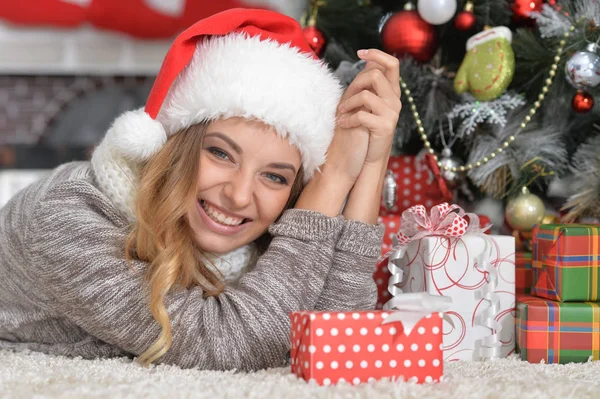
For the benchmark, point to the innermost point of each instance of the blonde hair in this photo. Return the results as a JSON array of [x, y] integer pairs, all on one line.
[[162, 235]]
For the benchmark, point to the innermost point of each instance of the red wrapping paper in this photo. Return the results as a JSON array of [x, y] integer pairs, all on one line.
[[523, 273], [355, 347], [417, 184]]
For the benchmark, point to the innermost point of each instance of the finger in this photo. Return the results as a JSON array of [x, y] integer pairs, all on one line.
[[390, 64], [365, 100], [374, 79], [366, 119], [350, 91], [373, 65]]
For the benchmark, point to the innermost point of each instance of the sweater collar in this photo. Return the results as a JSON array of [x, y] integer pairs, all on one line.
[[234, 264]]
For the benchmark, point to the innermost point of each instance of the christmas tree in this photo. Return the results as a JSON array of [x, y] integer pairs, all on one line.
[[499, 94]]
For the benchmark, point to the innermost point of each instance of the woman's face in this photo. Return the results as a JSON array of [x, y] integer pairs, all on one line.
[[244, 181]]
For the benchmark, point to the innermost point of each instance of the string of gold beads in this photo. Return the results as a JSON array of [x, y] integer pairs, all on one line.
[[536, 105]]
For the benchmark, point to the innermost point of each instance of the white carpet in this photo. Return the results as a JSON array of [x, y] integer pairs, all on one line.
[[34, 375]]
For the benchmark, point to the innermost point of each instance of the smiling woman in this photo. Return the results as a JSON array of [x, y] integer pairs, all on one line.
[[204, 219], [245, 179]]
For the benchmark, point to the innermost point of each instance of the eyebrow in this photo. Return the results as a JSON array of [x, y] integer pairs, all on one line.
[[238, 149], [226, 139], [282, 166]]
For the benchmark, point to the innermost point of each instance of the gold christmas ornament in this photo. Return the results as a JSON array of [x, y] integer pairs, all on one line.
[[524, 211], [550, 219]]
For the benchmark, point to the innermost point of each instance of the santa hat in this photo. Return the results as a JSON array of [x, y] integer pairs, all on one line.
[[254, 64]]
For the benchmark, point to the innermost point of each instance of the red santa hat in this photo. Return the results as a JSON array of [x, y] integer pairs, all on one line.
[[254, 64]]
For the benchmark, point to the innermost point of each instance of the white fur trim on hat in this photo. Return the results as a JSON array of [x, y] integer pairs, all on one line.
[[489, 34], [235, 75]]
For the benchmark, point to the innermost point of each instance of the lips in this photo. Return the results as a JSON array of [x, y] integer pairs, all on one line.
[[219, 216], [220, 221]]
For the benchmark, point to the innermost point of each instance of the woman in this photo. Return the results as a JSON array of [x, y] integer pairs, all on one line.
[[204, 219]]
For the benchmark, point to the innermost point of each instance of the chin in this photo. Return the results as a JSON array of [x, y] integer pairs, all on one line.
[[218, 245]]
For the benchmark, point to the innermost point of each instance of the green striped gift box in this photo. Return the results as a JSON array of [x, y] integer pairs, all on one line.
[[557, 332], [566, 262]]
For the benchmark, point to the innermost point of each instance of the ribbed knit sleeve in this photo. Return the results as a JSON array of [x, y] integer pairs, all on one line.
[[350, 284]]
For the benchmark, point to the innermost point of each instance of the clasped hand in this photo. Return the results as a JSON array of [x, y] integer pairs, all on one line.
[[367, 115]]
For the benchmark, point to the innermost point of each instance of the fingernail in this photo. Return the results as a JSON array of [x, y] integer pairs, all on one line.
[[341, 106], [362, 52], [342, 118]]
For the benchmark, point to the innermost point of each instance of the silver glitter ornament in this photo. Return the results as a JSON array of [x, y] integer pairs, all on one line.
[[390, 190], [582, 70], [452, 176]]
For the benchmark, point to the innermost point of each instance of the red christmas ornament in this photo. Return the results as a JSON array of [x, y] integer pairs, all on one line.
[[315, 39], [522, 8], [406, 32], [583, 102], [466, 20]]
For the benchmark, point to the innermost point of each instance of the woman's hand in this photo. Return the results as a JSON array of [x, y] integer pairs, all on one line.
[[372, 102], [348, 149], [357, 156]]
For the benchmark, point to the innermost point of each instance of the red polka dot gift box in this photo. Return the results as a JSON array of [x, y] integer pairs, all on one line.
[[358, 347], [417, 181]]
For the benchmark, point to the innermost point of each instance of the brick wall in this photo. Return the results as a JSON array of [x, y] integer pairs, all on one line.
[[49, 120]]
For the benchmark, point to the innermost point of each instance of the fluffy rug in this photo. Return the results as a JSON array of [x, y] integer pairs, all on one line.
[[25, 375]]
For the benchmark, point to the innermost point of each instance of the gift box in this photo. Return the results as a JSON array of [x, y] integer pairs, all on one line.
[[416, 183], [447, 254], [523, 273], [356, 347], [565, 262], [452, 267], [557, 332], [381, 275]]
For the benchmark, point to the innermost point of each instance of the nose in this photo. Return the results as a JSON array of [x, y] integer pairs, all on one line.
[[238, 191]]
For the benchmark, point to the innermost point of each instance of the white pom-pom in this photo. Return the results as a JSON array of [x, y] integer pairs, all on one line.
[[136, 135]]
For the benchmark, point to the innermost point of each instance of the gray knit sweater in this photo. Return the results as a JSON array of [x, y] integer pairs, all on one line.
[[66, 289]]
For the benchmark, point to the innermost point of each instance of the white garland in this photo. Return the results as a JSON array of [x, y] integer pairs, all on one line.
[[550, 22], [588, 9], [474, 112]]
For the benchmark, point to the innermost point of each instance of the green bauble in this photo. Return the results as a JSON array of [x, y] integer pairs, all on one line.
[[524, 211], [489, 65]]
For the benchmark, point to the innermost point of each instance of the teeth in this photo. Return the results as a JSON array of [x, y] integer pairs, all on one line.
[[219, 217]]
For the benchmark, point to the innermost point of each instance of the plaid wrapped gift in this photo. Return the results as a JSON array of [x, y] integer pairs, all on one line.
[[565, 262], [557, 332], [523, 273]]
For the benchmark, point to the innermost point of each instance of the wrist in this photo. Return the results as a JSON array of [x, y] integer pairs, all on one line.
[[325, 193], [365, 198], [378, 166]]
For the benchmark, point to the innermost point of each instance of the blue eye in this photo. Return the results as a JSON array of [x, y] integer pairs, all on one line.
[[276, 178], [217, 152]]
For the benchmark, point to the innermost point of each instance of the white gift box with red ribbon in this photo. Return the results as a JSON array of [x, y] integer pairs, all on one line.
[[444, 254]]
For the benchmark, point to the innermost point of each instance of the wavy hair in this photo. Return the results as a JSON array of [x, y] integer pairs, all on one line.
[[162, 236]]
